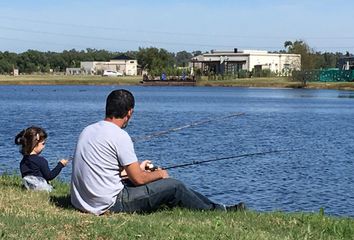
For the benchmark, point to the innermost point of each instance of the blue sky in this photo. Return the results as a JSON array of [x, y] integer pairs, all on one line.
[[175, 25]]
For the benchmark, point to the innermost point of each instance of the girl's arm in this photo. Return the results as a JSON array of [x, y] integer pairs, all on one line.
[[47, 173]]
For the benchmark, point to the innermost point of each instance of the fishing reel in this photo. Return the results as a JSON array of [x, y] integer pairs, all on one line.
[[151, 167]]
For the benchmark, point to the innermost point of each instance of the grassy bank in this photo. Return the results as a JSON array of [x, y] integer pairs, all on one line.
[[278, 82], [252, 82], [67, 80], [35, 215]]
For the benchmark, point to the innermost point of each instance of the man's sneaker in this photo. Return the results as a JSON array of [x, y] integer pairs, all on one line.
[[238, 207]]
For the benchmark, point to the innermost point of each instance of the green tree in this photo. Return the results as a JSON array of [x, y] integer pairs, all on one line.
[[7, 62], [5, 67], [288, 44], [196, 53], [302, 48], [330, 60], [309, 58], [155, 60], [57, 62], [183, 58]]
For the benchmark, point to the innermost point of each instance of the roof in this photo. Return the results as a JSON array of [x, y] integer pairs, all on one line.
[[122, 57], [243, 53]]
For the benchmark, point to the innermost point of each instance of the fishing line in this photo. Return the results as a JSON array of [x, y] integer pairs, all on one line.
[[228, 158], [157, 134]]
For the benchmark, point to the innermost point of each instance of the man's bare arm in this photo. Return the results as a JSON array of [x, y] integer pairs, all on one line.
[[139, 176]]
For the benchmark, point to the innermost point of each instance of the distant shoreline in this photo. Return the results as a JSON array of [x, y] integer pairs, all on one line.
[[278, 82]]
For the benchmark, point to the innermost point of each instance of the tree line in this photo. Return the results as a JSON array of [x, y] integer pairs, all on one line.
[[311, 59], [33, 61], [152, 59]]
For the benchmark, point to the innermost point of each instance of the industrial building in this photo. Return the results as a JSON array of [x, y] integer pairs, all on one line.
[[232, 62], [346, 63], [123, 64]]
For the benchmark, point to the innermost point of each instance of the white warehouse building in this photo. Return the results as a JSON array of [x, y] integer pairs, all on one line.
[[231, 62], [122, 64]]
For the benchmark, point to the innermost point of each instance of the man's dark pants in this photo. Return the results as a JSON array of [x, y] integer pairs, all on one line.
[[165, 192]]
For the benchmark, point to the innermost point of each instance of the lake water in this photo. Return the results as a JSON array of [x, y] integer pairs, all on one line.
[[318, 124]]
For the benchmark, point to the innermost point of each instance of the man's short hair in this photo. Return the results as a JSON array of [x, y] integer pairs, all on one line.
[[118, 103]]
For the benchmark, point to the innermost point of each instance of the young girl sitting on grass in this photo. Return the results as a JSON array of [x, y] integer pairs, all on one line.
[[34, 168]]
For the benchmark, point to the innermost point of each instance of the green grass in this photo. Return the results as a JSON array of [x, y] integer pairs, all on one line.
[[275, 82], [38, 215], [278, 82], [272, 82], [52, 79]]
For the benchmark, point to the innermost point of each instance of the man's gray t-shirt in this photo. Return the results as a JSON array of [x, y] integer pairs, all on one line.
[[95, 182]]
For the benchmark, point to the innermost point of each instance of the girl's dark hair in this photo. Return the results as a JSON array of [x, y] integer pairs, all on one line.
[[29, 138], [118, 103]]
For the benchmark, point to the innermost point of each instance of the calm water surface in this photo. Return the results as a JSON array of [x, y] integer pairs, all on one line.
[[319, 122]]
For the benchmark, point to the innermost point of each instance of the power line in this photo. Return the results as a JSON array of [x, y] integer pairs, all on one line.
[[110, 28], [123, 40], [135, 41], [110, 39], [43, 42], [132, 30], [142, 42]]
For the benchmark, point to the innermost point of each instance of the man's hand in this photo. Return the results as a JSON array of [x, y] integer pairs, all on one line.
[[164, 173], [139, 176], [144, 165], [149, 166]]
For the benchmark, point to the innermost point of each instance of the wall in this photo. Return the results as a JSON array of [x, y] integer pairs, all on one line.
[[127, 67], [281, 64], [130, 66]]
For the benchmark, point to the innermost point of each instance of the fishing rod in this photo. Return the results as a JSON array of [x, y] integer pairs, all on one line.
[[151, 167], [157, 134]]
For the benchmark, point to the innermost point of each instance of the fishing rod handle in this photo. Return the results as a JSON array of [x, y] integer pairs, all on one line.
[[151, 167]]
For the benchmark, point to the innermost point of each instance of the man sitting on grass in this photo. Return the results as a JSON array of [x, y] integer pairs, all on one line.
[[104, 152]]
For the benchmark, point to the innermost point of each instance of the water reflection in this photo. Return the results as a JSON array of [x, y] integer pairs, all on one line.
[[346, 95]]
